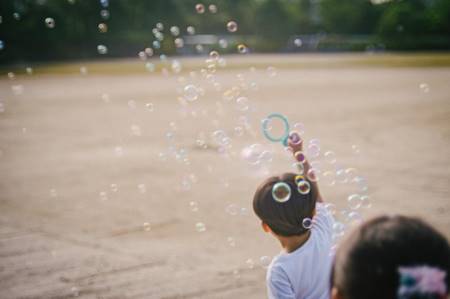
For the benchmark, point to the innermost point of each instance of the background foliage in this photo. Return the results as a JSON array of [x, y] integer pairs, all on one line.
[[266, 25]]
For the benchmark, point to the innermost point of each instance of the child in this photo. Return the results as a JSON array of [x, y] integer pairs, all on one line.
[[392, 257], [292, 210]]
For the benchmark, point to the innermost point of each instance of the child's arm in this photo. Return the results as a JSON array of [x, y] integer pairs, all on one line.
[[296, 147]]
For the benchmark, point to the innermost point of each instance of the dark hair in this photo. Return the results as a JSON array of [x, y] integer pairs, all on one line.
[[284, 218], [366, 264]]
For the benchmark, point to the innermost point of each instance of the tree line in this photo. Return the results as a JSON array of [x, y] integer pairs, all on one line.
[[27, 34]]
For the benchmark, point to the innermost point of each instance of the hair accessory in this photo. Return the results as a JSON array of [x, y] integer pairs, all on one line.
[[425, 281]]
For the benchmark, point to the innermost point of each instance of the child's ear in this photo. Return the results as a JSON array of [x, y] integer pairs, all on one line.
[[265, 227], [335, 294]]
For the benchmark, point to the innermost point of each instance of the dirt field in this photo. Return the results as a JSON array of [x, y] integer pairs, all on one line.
[[102, 198]]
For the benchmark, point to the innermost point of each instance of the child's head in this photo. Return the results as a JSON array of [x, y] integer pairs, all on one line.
[[284, 218], [371, 263]]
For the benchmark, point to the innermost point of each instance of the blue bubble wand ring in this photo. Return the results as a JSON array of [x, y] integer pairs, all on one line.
[[284, 138]]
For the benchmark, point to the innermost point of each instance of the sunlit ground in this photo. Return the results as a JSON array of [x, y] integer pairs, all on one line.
[[110, 187]]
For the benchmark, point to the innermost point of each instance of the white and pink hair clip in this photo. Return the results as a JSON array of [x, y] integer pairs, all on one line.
[[422, 281]]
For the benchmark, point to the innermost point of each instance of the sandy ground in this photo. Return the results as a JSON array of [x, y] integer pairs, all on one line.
[[66, 231]]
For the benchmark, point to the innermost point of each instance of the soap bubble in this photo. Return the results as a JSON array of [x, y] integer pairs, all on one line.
[[214, 55], [330, 157], [200, 8], [103, 196], [355, 149], [190, 30], [354, 218], [271, 71], [295, 138], [338, 230], [303, 187], [264, 261], [354, 201], [142, 188], [252, 153], [351, 174], [146, 226], [300, 157], [104, 3], [159, 36], [328, 178], [341, 176], [200, 227], [53, 193], [102, 28], [232, 209], [199, 48], [132, 104], [299, 167], [223, 43], [50, 23], [299, 128], [175, 30], [179, 42], [330, 208], [75, 291], [361, 183], [150, 67], [83, 70], [250, 263], [231, 241], [212, 8], [135, 130], [281, 192], [313, 174], [114, 187], [242, 104], [102, 49], [232, 26], [307, 223], [193, 205], [191, 92], [238, 131], [424, 87], [104, 14], [242, 48], [313, 151], [156, 44], [298, 42], [148, 52], [17, 89], [142, 55], [176, 66]]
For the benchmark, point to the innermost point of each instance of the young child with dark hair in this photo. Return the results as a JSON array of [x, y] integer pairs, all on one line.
[[392, 257], [292, 210]]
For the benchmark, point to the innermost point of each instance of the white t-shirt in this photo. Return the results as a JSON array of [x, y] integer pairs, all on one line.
[[305, 273]]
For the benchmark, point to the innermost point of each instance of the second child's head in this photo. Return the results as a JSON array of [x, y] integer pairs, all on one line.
[[392, 257], [285, 217]]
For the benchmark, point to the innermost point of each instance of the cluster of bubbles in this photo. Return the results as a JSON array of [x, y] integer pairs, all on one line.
[[200, 8], [324, 166], [103, 26]]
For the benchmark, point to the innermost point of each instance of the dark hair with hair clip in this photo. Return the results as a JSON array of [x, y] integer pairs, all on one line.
[[284, 218], [367, 263]]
